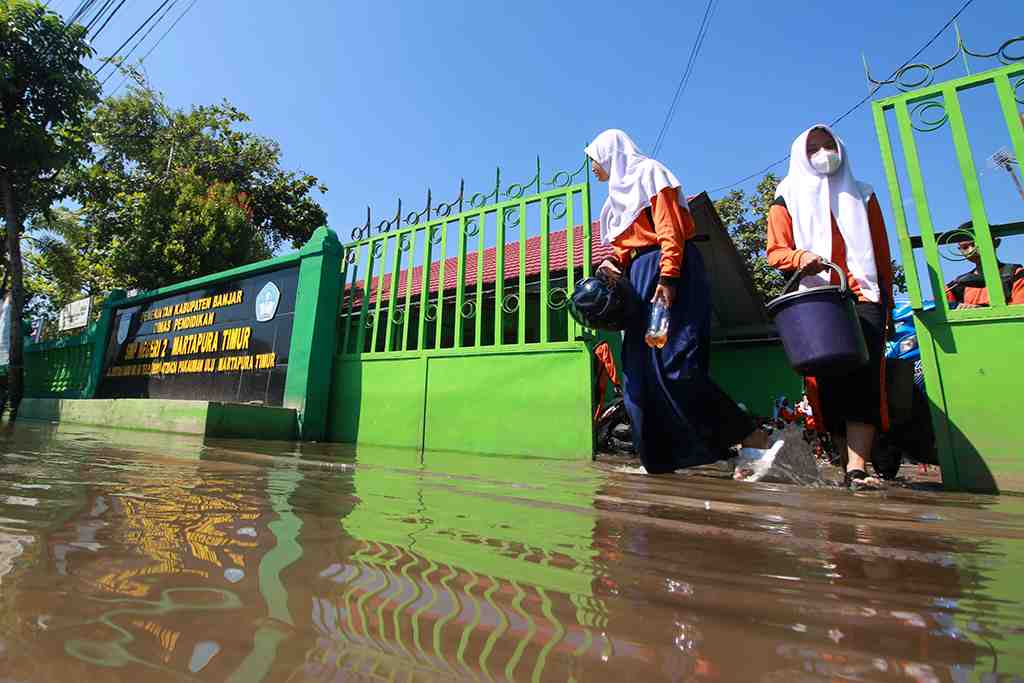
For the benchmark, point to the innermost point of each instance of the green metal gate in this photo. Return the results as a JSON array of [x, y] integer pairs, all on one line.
[[973, 358], [453, 328]]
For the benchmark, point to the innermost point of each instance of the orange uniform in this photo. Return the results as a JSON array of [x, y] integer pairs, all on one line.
[[606, 372], [783, 254], [672, 226], [960, 292]]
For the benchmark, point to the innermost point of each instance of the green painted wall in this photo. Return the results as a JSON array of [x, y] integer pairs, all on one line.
[[755, 374], [378, 402], [59, 368], [520, 402], [973, 374], [203, 418], [516, 403], [71, 368], [314, 334]]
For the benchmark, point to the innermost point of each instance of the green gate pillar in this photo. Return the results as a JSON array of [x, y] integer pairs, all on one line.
[[101, 336], [314, 344]]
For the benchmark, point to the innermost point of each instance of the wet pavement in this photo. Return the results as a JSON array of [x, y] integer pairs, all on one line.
[[128, 557]]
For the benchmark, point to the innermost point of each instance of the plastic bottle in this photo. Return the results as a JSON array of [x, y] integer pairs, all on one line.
[[657, 327]]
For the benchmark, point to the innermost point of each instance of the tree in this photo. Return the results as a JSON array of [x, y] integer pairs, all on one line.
[[45, 95], [58, 269], [175, 194], [746, 220]]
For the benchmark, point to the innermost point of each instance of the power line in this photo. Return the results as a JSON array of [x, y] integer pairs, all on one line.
[[98, 15], [129, 38], [141, 39], [687, 72], [80, 11], [157, 43], [861, 103], [109, 17], [684, 78], [169, 29]]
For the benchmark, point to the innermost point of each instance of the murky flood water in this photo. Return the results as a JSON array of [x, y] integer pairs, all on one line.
[[129, 557]]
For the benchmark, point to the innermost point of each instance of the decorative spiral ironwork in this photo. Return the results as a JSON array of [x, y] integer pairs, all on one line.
[[1002, 52], [472, 226], [565, 178], [404, 243], [378, 249], [351, 256], [510, 303], [369, 321], [499, 192], [952, 239], [430, 312], [904, 81], [435, 234], [468, 309], [558, 298], [1018, 87], [557, 208], [926, 122], [920, 74], [511, 217], [399, 316]]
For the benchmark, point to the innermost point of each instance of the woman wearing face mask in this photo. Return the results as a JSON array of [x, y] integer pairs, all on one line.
[[680, 417], [822, 212]]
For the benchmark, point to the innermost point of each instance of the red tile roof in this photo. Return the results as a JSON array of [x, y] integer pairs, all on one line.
[[557, 254]]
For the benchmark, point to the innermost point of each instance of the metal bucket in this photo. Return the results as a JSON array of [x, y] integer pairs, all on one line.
[[819, 327]]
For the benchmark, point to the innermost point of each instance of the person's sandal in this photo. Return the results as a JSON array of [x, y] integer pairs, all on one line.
[[858, 480]]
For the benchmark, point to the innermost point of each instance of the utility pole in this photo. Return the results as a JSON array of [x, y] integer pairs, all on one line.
[[1005, 160]]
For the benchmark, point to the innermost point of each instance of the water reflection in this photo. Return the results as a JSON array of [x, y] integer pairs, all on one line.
[[125, 556]]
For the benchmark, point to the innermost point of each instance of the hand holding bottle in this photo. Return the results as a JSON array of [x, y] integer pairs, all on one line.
[[657, 327]]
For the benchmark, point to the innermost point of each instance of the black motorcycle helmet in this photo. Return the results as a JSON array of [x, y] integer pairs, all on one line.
[[599, 304]]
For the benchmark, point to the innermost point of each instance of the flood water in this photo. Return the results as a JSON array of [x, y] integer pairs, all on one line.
[[130, 557]]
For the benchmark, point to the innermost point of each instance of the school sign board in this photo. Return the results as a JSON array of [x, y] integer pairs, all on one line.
[[228, 342]]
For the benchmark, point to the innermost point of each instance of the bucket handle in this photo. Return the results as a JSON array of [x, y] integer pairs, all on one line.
[[843, 286]]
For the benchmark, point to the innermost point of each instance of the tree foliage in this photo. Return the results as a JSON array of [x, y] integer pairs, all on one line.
[[176, 194], [45, 95], [746, 219]]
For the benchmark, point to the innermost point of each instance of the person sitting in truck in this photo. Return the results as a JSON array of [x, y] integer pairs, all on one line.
[[969, 290]]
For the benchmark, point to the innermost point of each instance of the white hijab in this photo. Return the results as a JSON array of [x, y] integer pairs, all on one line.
[[812, 199], [633, 180]]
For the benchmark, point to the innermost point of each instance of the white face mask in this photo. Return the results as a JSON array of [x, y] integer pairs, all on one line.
[[826, 161]]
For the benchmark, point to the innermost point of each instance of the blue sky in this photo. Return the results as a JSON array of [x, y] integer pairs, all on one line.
[[385, 99]]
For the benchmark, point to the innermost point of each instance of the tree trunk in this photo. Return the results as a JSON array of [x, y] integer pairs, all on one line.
[[15, 368]]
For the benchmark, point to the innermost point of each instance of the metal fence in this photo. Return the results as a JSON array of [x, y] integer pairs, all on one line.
[[934, 139], [59, 368], [927, 110], [488, 275]]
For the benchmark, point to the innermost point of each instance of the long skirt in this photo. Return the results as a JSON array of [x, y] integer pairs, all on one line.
[[859, 396], [680, 417]]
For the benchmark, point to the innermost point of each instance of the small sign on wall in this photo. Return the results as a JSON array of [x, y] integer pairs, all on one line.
[[74, 315]]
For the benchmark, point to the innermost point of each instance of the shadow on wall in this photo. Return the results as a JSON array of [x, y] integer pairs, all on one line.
[[971, 471], [345, 404]]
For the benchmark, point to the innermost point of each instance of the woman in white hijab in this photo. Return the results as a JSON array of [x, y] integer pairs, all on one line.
[[680, 417], [821, 212]]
